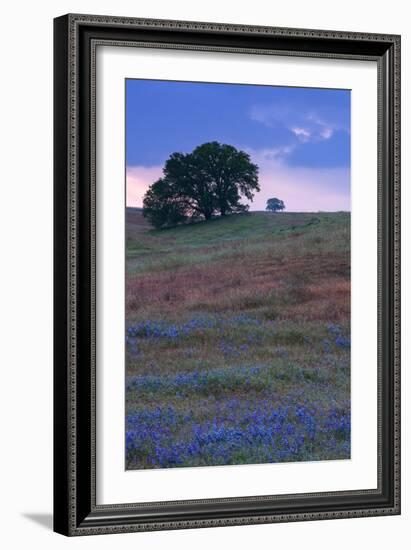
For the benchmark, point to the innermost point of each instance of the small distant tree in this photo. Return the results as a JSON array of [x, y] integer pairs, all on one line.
[[275, 205]]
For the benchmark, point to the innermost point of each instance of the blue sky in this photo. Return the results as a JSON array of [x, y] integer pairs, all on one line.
[[299, 137]]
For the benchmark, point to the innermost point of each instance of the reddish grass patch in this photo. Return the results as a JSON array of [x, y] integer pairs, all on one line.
[[314, 287], [329, 299]]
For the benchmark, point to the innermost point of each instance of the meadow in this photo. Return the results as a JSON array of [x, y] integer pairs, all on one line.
[[238, 340]]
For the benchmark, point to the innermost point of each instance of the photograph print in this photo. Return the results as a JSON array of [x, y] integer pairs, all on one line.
[[237, 274]]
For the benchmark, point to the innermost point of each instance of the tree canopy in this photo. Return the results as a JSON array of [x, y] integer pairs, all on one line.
[[211, 179], [274, 205]]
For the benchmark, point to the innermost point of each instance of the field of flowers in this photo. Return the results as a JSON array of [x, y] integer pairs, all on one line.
[[238, 340]]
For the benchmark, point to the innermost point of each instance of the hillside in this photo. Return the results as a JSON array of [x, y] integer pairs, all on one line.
[[286, 265], [232, 323]]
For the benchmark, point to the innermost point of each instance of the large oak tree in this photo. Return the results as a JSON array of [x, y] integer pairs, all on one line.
[[212, 179]]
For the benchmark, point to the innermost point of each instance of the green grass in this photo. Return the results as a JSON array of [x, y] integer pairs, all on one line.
[[235, 236]]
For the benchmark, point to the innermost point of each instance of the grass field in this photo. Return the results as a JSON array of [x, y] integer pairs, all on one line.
[[238, 340]]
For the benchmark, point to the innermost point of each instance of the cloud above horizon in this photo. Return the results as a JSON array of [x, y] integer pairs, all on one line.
[[306, 126], [138, 180], [301, 189]]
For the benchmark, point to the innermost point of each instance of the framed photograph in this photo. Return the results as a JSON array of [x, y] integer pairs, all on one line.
[[227, 277]]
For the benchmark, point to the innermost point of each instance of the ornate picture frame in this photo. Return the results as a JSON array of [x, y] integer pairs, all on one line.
[[76, 40]]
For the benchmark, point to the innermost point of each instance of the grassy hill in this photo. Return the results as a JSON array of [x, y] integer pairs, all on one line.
[[238, 340]]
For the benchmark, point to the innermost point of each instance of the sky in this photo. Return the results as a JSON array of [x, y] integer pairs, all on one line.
[[299, 137]]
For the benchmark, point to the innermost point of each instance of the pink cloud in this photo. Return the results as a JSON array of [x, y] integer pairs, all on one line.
[[138, 180], [302, 189]]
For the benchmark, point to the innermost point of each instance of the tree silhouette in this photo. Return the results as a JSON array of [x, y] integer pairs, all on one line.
[[274, 205], [213, 178]]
